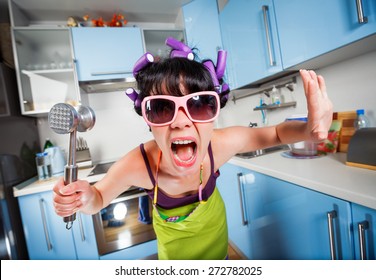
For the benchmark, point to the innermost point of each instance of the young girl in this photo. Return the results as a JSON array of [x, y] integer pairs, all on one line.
[[180, 99]]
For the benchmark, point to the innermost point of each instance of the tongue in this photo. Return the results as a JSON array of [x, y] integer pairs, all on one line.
[[184, 152]]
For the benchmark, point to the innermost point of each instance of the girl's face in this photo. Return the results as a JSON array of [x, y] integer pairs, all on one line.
[[184, 138], [183, 143]]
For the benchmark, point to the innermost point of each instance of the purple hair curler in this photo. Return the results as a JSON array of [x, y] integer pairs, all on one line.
[[221, 64], [225, 87], [142, 62], [210, 66], [176, 53], [131, 93], [177, 45]]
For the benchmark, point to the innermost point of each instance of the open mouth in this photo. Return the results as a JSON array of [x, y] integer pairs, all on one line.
[[184, 151]]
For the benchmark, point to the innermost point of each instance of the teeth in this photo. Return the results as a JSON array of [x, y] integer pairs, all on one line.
[[182, 142]]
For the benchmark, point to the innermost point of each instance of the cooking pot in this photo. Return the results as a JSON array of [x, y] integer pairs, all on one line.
[[58, 161]]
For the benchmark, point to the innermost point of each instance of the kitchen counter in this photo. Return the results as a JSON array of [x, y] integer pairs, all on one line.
[[326, 174], [34, 185]]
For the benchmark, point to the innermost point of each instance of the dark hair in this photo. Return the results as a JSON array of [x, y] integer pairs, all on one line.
[[166, 76]]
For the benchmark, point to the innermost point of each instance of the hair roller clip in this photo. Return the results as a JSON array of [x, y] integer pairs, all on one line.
[[221, 64], [176, 53], [225, 88], [210, 66], [142, 62], [133, 95], [177, 45]]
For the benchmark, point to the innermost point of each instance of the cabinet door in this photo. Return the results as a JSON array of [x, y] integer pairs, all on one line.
[[313, 27], [366, 217], [84, 237], [106, 53], [45, 232], [202, 28], [249, 34], [233, 198], [272, 219], [44, 68], [291, 222]]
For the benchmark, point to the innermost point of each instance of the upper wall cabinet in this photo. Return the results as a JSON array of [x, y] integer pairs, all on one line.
[[310, 28], [43, 61], [267, 39], [249, 34], [202, 28], [106, 53], [44, 68]]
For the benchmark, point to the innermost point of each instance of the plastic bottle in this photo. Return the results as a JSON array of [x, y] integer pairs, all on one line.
[[276, 96], [361, 120], [47, 144]]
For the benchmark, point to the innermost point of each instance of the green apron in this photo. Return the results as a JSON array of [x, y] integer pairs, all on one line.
[[200, 236]]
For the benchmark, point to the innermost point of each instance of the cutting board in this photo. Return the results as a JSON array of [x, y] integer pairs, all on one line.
[[347, 131]]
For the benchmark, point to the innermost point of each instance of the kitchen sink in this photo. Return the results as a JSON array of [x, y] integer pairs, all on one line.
[[262, 152]]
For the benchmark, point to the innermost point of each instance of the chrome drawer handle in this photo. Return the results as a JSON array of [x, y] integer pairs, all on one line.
[[265, 10], [110, 73], [362, 226], [331, 216], [241, 192], [45, 228], [359, 8]]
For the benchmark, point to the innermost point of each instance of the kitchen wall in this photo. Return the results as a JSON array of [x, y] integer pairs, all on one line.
[[350, 84]]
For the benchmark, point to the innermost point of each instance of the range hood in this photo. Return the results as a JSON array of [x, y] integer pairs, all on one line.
[[108, 85]]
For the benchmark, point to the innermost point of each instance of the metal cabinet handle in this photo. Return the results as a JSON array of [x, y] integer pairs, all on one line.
[[359, 8], [265, 10], [44, 220], [241, 192], [81, 227], [110, 73], [332, 215], [362, 226]]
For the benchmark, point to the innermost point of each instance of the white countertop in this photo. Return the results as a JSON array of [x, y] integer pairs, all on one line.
[[327, 174], [34, 185]]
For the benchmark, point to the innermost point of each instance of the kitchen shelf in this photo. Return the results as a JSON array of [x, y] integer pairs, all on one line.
[[275, 106], [51, 71]]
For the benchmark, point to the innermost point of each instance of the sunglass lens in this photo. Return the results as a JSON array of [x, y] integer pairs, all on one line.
[[159, 111], [202, 107]]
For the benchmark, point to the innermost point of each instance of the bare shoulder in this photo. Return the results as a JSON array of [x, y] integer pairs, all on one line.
[[131, 169], [225, 144]]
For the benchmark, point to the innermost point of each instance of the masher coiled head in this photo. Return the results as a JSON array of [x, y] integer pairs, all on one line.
[[63, 118]]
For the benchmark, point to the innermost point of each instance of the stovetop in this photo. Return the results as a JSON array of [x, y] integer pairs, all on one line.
[[101, 168]]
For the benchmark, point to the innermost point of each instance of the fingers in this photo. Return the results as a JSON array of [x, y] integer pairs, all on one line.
[[67, 199], [322, 85]]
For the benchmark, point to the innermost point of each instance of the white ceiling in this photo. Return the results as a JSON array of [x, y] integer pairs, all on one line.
[[163, 11]]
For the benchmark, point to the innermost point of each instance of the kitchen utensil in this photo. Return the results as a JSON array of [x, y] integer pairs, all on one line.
[[63, 119]]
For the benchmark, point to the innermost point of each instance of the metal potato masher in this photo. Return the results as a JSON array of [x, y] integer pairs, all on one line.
[[63, 118]]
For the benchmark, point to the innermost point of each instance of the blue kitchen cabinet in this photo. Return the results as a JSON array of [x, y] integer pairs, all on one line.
[[84, 237], [137, 252], [106, 53], [46, 235], [249, 34], [364, 226], [310, 28], [202, 28], [273, 219]]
